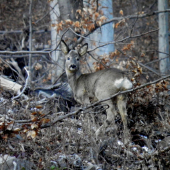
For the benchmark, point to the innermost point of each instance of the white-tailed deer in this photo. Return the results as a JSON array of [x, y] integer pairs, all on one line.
[[97, 86]]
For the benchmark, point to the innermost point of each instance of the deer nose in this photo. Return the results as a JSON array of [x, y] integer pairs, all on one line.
[[73, 66]]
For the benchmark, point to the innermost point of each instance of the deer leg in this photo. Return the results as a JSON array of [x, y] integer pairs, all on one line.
[[111, 112], [121, 104]]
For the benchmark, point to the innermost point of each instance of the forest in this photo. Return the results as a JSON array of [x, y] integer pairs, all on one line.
[[84, 85]]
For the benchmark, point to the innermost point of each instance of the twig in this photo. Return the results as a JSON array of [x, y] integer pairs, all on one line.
[[98, 60], [149, 68], [20, 31], [151, 62], [78, 34], [58, 78], [59, 41], [114, 42], [25, 52], [52, 8], [13, 69], [15, 65], [17, 56], [135, 16]]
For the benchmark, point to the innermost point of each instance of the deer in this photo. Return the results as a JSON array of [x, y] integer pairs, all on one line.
[[97, 86]]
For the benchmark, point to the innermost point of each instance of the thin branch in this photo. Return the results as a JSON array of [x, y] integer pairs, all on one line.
[[94, 104], [20, 31], [151, 62], [21, 76], [59, 118], [48, 52], [98, 61], [24, 52], [121, 18], [78, 34], [60, 40], [52, 8], [134, 16], [114, 42], [58, 78], [15, 65], [143, 65], [149, 68], [17, 56]]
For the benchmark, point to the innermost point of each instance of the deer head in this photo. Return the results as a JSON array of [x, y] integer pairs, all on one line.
[[72, 57]]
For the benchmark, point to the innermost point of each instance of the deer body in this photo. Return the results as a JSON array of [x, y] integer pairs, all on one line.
[[96, 86]]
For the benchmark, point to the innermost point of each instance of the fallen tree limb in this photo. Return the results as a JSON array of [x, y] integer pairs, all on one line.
[[10, 85]]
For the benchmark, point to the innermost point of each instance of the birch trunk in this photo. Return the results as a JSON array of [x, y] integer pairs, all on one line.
[[163, 37]]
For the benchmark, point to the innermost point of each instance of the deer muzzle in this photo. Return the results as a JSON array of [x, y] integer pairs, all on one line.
[[72, 67]]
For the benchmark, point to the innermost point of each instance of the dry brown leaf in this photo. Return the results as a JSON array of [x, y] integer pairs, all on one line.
[[33, 118], [116, 25], [96, 15], [103, 18], [25, 130], [38, 66], [77, 24], [34, 126], [44, 120], [16, 129], [91, 27], [39, 106], [69, 22], [32, 134], [99, 23], [121, 12], [78, 11]]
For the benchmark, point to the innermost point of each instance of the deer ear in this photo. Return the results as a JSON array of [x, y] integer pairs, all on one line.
[[64, 47], [83, 49]]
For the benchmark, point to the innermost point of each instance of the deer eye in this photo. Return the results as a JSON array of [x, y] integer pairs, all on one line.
[[77, 59], [68, 58]]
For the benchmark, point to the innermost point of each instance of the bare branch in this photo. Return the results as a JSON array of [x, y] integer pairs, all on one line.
[[22, 78], [15, 65], [24, 52], [135, 16], [126, 38], [149, 68], [94, 104], [143, 65], [98, 60]]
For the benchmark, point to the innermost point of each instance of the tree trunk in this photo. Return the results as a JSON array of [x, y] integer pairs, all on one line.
[[62, 10], [104, 34], [163, 37]]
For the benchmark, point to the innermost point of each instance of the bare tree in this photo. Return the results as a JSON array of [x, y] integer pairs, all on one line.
[[163, 37]]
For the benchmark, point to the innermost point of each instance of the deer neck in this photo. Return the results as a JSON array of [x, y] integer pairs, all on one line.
[[72, 78]]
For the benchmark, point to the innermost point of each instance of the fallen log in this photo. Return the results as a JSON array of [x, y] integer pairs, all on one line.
[[10, 85]]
